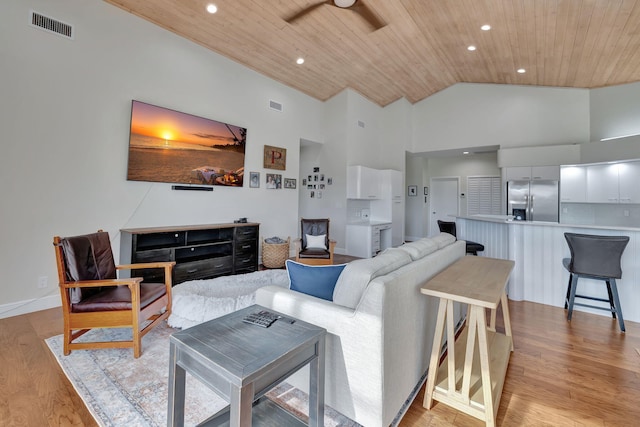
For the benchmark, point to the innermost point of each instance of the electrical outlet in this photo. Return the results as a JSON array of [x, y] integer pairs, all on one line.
[[626, 212], [43, 282]]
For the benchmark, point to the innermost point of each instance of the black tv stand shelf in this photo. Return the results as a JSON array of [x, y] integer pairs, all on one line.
[[200, 251]]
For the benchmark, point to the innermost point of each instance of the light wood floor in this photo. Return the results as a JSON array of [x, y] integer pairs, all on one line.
[[583, 373]]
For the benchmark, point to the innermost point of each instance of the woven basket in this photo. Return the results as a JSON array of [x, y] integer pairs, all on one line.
[[274, 255]]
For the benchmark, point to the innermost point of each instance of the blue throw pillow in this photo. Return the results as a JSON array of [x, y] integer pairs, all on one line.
[[315, 280]]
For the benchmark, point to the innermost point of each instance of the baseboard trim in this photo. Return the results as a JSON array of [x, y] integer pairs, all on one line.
[[29, 306]]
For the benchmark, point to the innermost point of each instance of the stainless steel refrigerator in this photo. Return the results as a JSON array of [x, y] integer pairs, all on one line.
[[537, 200]]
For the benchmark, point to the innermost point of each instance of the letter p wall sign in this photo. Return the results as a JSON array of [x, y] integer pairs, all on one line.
[[275, 157]]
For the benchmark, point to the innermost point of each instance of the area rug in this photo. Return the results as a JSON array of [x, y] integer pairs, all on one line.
[[198, 301], [120, 390]]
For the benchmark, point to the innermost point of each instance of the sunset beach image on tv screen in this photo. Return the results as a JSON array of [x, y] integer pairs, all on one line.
[[174, 147]]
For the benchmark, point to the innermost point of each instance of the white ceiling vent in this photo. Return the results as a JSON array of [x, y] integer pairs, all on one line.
[[51, 25], [275, 106]]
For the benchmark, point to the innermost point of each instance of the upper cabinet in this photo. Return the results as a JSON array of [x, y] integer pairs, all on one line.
[[573, 184], [363, 183], [629, 182], [533, 173], [601, 183]]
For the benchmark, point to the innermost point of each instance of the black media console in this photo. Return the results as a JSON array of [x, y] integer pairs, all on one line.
[[200, 251]]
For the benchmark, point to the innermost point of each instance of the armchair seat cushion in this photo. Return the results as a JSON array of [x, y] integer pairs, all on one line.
[[314, 253], [119, 298]]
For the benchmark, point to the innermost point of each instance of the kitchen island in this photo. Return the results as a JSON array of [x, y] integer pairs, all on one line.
[[538, 249]]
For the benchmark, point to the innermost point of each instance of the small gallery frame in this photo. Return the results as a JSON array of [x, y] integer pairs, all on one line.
[[412, 190], [254, 179]]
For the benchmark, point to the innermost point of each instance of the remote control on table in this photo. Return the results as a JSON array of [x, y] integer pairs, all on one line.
[[262, 318]]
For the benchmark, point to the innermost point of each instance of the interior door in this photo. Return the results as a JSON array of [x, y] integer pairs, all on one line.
[[444, 202]]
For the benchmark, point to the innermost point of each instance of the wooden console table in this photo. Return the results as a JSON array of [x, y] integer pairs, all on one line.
[[471, 377]]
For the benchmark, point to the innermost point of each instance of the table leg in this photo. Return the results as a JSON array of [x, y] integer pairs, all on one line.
[[177, 376], [504, 301], [241, 406], [316, 387], [483, 348], [435, 354]]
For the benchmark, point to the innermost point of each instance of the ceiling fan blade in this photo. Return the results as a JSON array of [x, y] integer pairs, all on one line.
[[309, 9], [368, 15]]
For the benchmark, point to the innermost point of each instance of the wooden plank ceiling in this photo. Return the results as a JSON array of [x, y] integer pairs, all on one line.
[[422, 49]]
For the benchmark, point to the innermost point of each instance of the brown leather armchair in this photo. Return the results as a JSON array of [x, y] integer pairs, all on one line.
[[314, 245], [92, 296]]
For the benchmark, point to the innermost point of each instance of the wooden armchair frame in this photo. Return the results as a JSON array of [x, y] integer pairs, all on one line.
[[77, 324]]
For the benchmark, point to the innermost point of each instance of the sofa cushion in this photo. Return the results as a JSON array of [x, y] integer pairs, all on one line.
[[357, 274], [316, 280], [420, 248], [443, 239]]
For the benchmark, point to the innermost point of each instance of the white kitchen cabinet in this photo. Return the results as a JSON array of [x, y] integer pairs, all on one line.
[[629, 182], [521, 173], [367, 240], [363, 183], [532, 173], [602, 183], [573, 184], [390, 207]]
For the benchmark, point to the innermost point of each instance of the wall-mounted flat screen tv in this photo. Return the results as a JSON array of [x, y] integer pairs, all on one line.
[[174, 147]]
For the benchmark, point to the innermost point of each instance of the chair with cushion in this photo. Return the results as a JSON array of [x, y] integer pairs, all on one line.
[[92, 296], [450, 227], [314, 246], [598, 258]]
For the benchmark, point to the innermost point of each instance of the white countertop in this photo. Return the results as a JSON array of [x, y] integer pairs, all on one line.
[[369, 223], [508, 219]]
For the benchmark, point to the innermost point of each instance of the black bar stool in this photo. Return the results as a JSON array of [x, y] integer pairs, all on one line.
[[595, 257], [450, 227]]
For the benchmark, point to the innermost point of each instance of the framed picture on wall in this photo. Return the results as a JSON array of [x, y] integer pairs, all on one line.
[[412, 191], [254, 179], [275, 157], [274, 181]]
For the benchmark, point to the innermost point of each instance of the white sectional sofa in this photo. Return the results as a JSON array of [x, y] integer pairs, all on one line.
[[380, 327]]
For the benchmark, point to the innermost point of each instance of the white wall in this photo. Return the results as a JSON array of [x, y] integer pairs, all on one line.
[[64, 114], [615, 111], [416, 218], [422, 169], [469, 115]]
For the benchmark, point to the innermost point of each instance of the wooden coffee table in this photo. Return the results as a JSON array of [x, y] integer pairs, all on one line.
[[469, 380], [241, 362]]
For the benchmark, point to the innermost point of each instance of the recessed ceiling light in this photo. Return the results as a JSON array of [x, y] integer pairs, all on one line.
[[465, 152], [471, 48], [521, 70], [212, 8], [485, 27], [300, 61]]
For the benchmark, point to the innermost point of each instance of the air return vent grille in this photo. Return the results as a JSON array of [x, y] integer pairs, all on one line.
[[275, 105], [51, 25]]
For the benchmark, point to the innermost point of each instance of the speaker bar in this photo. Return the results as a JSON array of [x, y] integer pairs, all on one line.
[[191, 187]]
